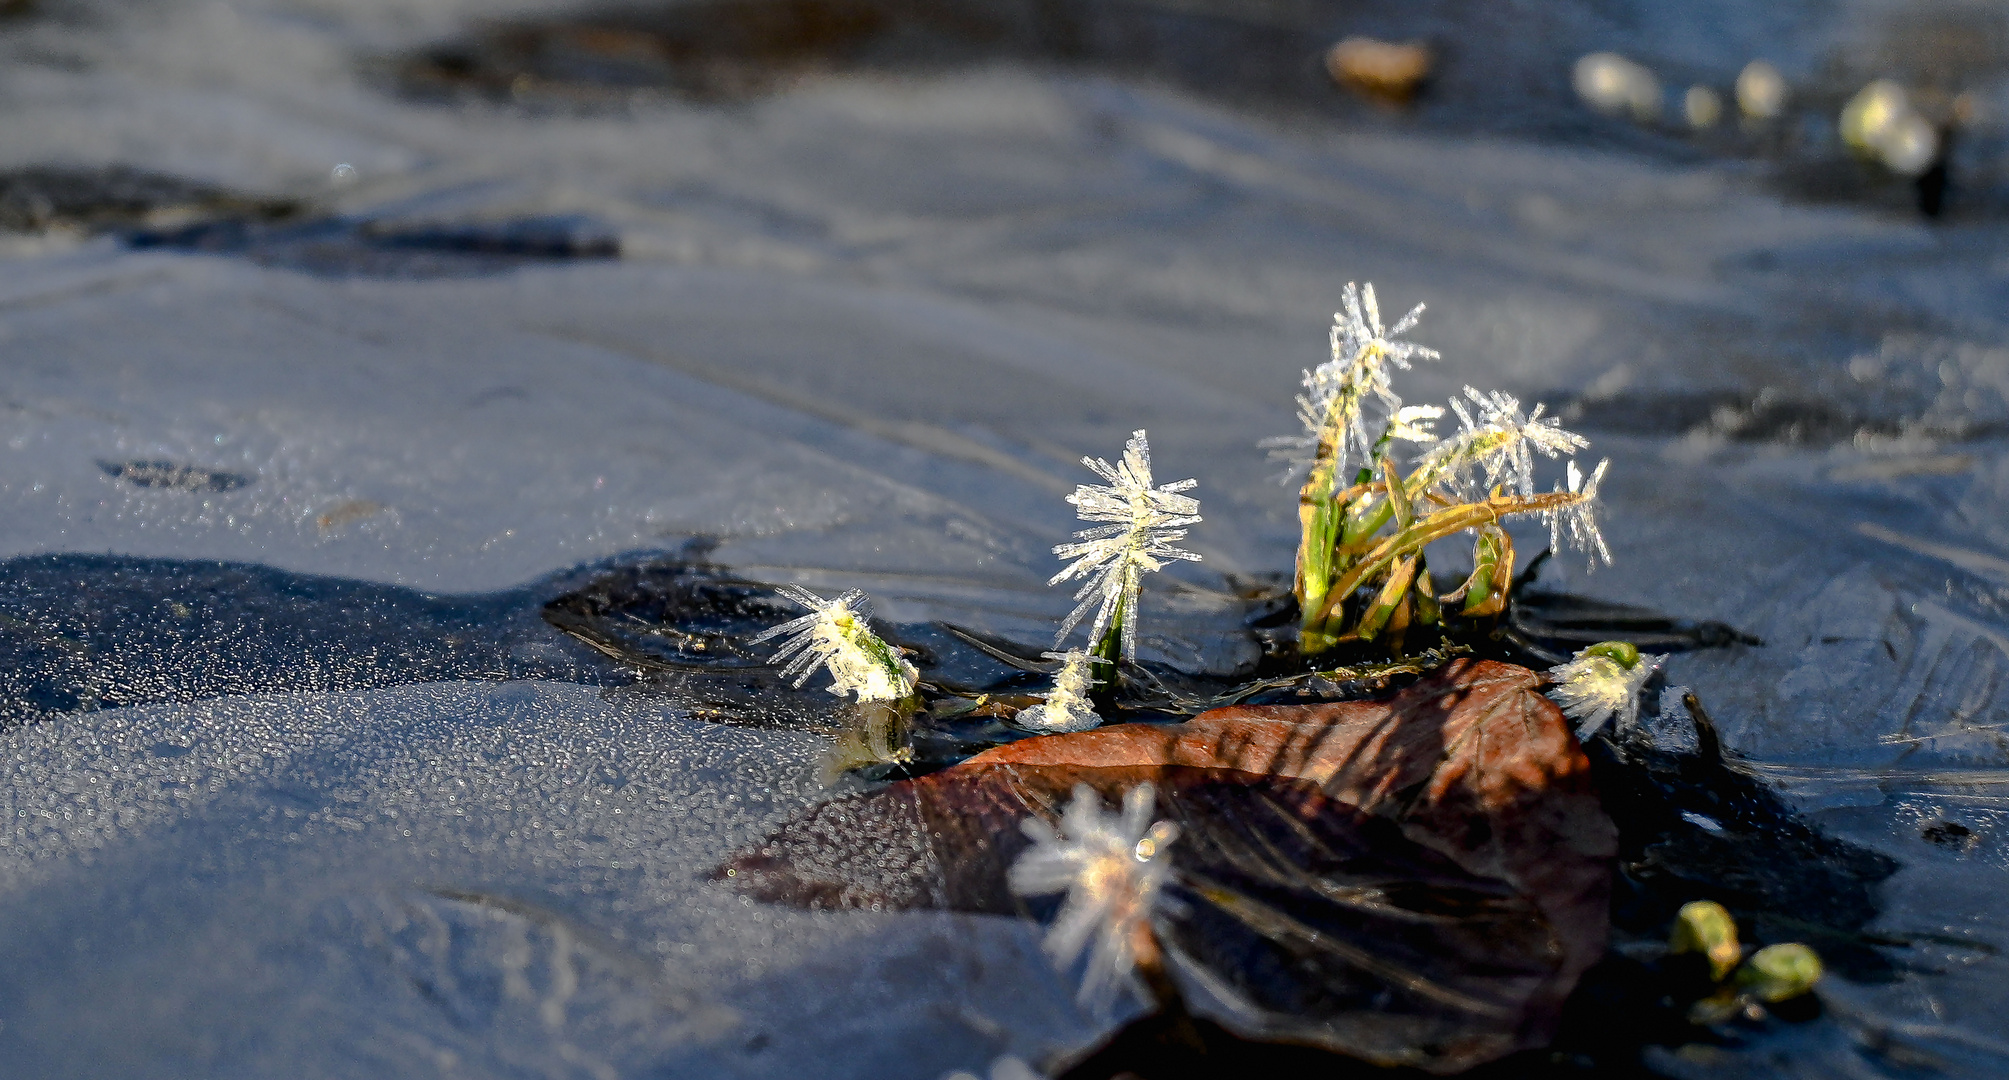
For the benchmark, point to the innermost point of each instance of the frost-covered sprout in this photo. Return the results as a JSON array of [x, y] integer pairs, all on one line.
[[837, 634], [1333, 407], [1142, 522], [1577, 519], [1497, 442], [1468, 481], [1067, 706], [1603, 681], [1113, 869]]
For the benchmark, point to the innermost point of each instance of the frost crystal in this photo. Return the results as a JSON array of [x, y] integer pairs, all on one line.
[[1067, 707], [1500, 440], [1143, 522], [1595, 686], [1578, 520], [1415, 423], [1112, 870], [1332, 408], [837, 634]]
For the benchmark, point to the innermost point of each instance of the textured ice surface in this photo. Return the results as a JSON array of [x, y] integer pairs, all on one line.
[[861, 332], [457, 879]]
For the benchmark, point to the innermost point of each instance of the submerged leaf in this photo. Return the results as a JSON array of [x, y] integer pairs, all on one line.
[[1417, 880]]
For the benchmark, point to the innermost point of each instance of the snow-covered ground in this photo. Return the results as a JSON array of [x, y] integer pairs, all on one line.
[[861, 331]]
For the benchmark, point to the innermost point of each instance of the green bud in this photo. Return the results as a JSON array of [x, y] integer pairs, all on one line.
[[1778, 972], [1625, 653], [1704, 926]]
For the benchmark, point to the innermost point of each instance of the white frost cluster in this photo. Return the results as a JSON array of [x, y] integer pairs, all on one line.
[[1594, 687], [1067, 706], [1497, 444], [837, 634], [1112, 869], [1578, 521], [1333, 406], [1142, 522]]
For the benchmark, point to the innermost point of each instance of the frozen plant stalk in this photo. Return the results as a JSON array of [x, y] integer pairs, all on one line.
[[837, 634], [1140, 524], [1068, 706], [1570, 511], [1603, 681], [1112, 869], [1333, 410]]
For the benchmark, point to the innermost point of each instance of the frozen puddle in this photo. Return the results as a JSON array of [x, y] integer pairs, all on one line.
[[498, 879]]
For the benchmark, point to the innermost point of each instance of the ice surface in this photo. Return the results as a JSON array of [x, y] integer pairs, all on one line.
[[458, 879], [862, 332]]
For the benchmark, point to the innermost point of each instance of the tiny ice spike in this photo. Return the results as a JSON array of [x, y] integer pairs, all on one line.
[[837, 634], [1602, 681], [1112, 870], [1578, 521], [1143, 523], [1067, 706]]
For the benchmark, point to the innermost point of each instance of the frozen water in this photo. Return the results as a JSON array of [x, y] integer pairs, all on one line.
[[493, 879], [861, 332]]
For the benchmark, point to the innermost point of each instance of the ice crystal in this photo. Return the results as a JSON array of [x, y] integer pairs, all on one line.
[[1497, 442], [1598, 684], [1112, 869], [1333, 407], [837, 634], [1577, 521], [1415, 423], [1067, 706], [1143, 521]]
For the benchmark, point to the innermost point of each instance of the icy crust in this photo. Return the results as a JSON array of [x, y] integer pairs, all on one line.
[[507, 880]]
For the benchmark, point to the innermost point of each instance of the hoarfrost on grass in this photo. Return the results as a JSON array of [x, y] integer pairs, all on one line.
[[1112, 869], [837, 635], [1332, 410], [1067, 706], [1496, 443], [1595, 686], [1142, 523]]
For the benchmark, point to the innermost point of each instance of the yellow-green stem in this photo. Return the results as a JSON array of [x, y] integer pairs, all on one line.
[[1428, 611], [1392, 592], [1492, 573], [1107, 651], [1435, 527]]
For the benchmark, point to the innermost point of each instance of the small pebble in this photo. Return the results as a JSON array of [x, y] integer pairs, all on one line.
[[1702, 107], [1385, 71], [1880, 123], [1761, 91], [1612, 84]]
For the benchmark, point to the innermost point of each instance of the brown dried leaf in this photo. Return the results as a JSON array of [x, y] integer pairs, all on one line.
[[1418, 880]]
